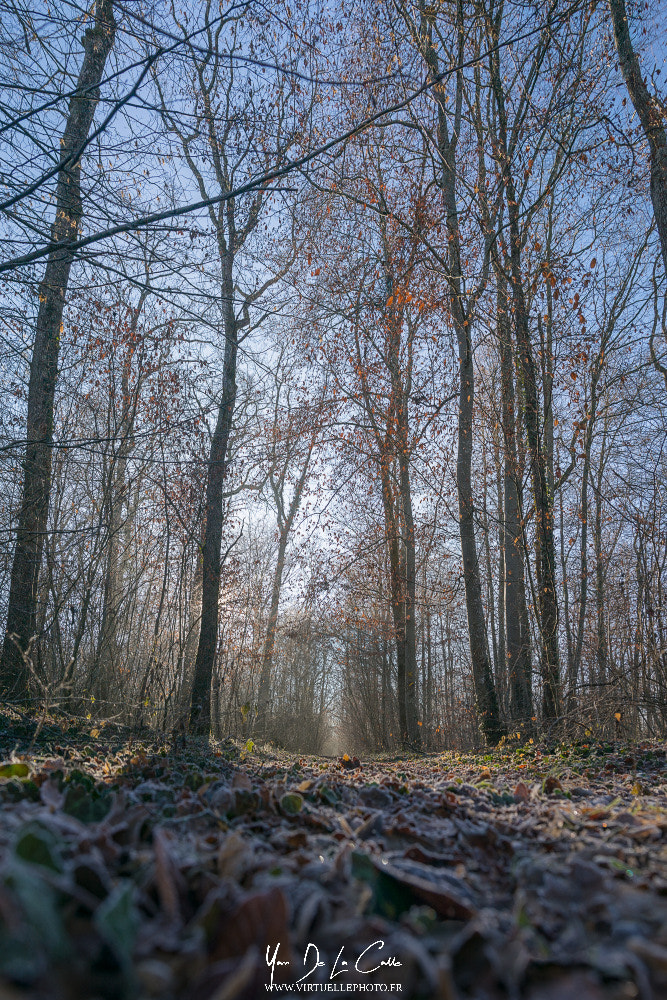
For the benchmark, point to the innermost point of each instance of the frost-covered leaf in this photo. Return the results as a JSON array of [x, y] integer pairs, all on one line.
[[291, 803], [117, 920], [39, 845]]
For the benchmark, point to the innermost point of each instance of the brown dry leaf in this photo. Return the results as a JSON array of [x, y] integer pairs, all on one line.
[[595, 813], [260, 920], [169, 880], [646, 832], [446, 897], [296, 839], [233, 856], [552, 784], [242, 782], [305, 785], [521, 793], [345, 827], [55, 764], [417, 853]]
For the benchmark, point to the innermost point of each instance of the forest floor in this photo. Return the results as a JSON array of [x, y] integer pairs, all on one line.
[[135, 867]]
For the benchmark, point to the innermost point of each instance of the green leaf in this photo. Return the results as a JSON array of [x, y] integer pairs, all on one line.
[[117, 921], [328, 795], [86, 806], [245, 801], [292, 803], [38, 845], [390, 898], [77, 777], [17, 770], [42, 926], [194, 780], [17, 789]]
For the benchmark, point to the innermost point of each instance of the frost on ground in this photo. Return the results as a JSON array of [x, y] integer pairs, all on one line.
[[137, 868]]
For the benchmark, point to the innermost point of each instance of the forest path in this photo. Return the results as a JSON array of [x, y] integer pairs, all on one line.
[[131, 868]]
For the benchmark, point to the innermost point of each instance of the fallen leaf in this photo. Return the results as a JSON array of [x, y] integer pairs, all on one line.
[[170, 883], [260, 920], [233, 856], [18, 769], [396, 890], [291, 804]]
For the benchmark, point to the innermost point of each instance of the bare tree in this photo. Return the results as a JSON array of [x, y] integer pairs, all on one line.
[[22, 611], [224, 136], [438, 38], [651, 113], [293, 437]]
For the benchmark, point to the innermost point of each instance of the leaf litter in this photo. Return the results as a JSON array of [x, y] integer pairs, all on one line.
[[140, 869]]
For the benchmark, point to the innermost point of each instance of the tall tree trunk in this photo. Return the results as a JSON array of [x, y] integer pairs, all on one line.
[[485, 692], [108, 651], [501, 666], [491, 603], [542, 496], [151, 669], [33, 516], [200, 707], [600, 573], [397, 594], [392, 441], [572, 675], [263, 695], [517, 641], [651, 115], [385, 684], [583, 549], [107, 643], [285, 517], [413, 729], [543, 500]]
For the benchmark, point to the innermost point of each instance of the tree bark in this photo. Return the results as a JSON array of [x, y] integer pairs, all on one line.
[[501, 666], [200, 706], [397, 593], [517, 648], [33, 516], [285, 518], [542, 495], [108, 651], [485, 692], [412, 723], [583, 549], [264, 691], [490, 596], [224, 157], [651, 115], [602, 651]]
